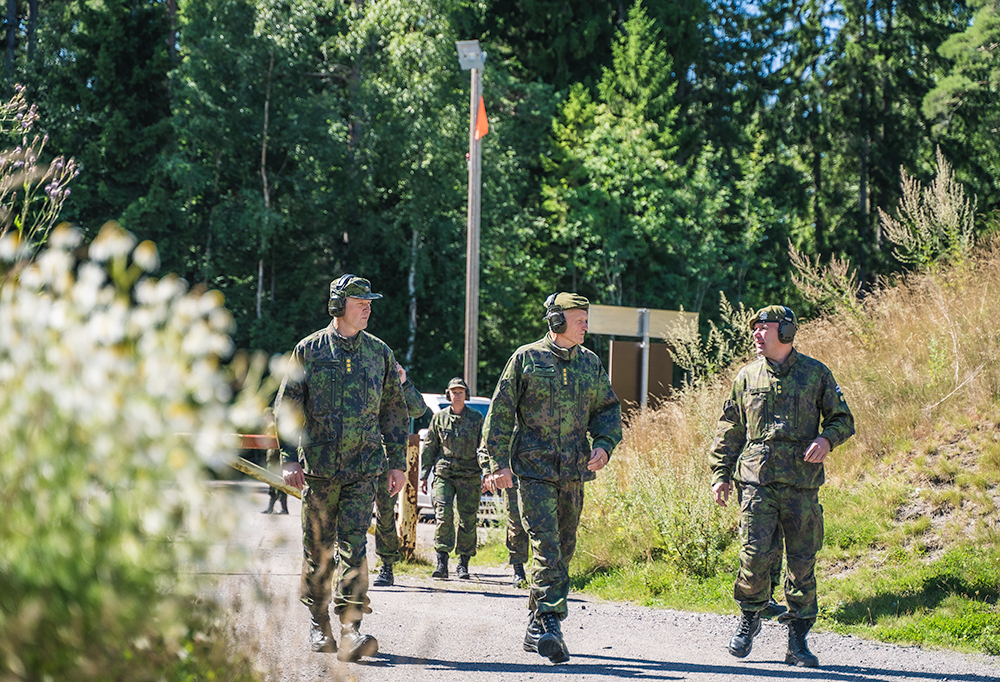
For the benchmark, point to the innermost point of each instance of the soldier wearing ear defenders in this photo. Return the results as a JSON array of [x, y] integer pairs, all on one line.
[[343, 382], [554, 422], [784, 415]]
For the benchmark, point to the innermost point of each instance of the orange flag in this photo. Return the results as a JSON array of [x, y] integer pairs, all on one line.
[[482, 125]]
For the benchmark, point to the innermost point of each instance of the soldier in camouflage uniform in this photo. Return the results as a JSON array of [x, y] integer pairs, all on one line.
[[343, 382], [784, 415], [554, 422], [386, 538], [517, 537], [450, 452]]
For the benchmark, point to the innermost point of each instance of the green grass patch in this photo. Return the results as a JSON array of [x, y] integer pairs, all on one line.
[[857, 517], [660, 584]]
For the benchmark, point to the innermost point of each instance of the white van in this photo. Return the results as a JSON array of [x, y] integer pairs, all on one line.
[[489, 511]]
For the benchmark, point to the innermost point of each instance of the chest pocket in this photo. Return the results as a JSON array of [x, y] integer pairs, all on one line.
[[324, 384], [539, 384], [757, 412]]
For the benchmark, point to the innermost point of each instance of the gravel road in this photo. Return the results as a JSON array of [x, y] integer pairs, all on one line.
[[453, 631]]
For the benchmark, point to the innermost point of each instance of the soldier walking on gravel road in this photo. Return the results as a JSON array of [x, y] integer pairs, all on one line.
[[553, 422], [450, 452], [344, 384], [783, 417]]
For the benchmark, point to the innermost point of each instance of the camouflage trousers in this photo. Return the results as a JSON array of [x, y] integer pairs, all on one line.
[[779, 546], [551, 515], [798, 515], [517, 537], [386, 536], [449, 493], [335, 520]]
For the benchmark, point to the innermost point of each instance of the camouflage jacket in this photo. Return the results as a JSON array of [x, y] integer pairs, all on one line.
[[450, 448], [772, 415], [546, 403], [415, 405], [352, 404]]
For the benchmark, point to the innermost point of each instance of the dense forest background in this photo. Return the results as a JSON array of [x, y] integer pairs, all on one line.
[[647, 153]]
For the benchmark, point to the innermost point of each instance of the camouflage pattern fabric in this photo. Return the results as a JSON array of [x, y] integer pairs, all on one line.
[[771, 417], [349, 394], [546, 403], [451, 492], [517, 536], [335, 519], [450, 447], [386, 537], [765, 512], [778, 549], [551, 513]]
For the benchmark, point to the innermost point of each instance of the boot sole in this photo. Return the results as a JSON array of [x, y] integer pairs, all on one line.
[[439, 576], [552, 649], [367, 649], [792, 659], [750, 647]]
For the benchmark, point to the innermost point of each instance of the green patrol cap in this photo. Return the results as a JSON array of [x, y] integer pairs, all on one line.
[[566, 301], [458, 382], [357, 287], [774, 313]]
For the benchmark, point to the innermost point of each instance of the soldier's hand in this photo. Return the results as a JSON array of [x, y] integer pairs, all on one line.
[[423, 486], [397, 479], [293, 475], [817, 450], [598, 459], [721, 491]]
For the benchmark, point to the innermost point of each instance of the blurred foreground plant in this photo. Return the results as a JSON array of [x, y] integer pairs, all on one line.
[[113, 401], [31, 194]]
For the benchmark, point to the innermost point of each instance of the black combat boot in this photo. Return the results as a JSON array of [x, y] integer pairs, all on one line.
[[463, 568], [384, 577], [534, 631], [551, 644], [321, 635], [773, 609], [519, 577], [270, 505], [441, 571], [354, 645], [798, 653], [742, 642], [283, 499]]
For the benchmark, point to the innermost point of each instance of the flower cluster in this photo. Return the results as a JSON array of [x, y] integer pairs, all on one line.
[[31, 194], [115, 401]]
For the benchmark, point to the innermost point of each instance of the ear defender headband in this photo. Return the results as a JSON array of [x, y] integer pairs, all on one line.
[[337, 299], [554, 316], [787, 327]]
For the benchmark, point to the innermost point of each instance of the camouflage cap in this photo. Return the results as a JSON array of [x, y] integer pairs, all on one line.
[[458, 382], [357, 287], [566, 301], [774, 313]]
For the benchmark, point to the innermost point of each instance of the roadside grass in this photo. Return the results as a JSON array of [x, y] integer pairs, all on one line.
[[912, 501]]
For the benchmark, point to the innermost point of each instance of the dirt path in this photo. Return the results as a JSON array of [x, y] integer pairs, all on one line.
[[472, 630]]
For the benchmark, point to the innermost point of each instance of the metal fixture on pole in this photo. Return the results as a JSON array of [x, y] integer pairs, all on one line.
[[471, 58]]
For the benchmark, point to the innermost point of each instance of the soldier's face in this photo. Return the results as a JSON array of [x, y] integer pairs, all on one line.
[[356, 313], [457, 396], [765, 341], [576, 326]]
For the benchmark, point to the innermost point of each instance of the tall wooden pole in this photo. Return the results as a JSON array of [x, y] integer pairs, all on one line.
[[472, 239]]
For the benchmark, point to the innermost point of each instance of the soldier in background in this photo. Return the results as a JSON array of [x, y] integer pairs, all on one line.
[[344, 384], [272, 460], [517, 537], [450, 452], [386, 538], [552, 401], [783, 417]]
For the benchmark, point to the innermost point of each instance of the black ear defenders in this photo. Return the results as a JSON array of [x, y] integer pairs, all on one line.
[[337, 302], [787, 327], [554, 316]]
